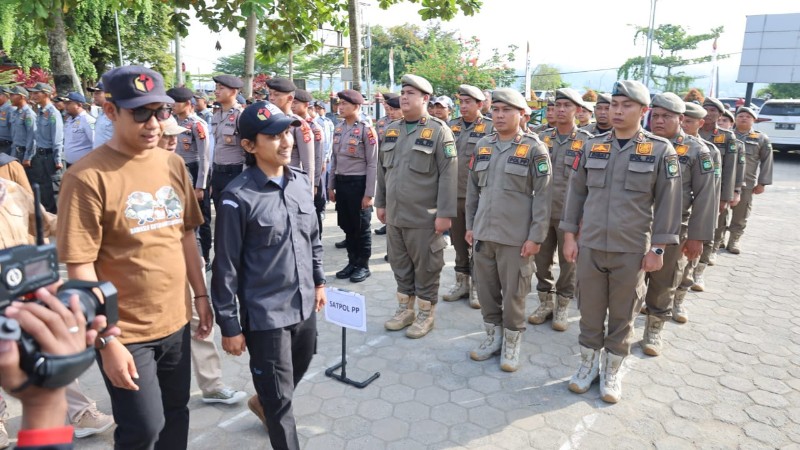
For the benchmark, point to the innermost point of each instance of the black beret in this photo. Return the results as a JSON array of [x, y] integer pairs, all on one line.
[[302, 95], [389, 95], [394, 102], [281, 84], [229, 81], [351, 96], [180, 94]]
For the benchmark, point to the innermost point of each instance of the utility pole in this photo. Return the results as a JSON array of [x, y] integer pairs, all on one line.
[[178, 61], [649, 52], [251, 28], [355, 42]]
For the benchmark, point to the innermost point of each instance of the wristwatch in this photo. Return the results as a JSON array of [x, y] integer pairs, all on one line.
[[657, 251], [102, 342]]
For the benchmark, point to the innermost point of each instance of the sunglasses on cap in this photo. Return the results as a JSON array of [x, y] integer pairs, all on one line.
[[143, 114]]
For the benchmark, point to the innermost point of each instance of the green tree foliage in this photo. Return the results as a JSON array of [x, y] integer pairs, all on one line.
[[546, 78], [669, 40], [447, 62], [407, 42], [781, 90], [322, 64], [234, 64], [440, 9]]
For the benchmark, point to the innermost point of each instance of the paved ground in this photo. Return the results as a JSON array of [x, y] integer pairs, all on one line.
[[729, 378]]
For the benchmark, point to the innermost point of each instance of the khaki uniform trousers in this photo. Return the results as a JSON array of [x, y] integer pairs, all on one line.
[[457, 232], [504, 279], [609, 284], [416, 256], [565, 285], [661, 284], [205, 357], [740, 213]]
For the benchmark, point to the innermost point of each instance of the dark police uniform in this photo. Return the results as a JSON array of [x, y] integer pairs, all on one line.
[[49, 152], [6, 112]]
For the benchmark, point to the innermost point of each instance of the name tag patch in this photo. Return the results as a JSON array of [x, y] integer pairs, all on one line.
[[643, 158], [518, 161]]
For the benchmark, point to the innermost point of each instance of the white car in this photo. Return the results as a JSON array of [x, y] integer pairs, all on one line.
[[780, 120]]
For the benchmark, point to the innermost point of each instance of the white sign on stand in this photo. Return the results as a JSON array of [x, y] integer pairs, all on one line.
[[346, 309]]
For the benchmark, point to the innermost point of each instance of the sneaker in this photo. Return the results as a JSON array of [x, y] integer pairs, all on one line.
[[381, 231], [255, 407], [225, 395], [92, 422]]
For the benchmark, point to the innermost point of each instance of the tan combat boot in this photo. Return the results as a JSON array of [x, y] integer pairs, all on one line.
[[611, 378], [424, 323], [560, 316], [473, 296], [509, 358], [733, 245], [491, 345], [545, 309], [460, 289], [651, 341], [712, 258], [587, 372], [699, 283], [404, 315], [679, 313]]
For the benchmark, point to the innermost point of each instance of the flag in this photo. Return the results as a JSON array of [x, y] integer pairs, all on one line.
[[712, 89], [528, 73], [391, 69]]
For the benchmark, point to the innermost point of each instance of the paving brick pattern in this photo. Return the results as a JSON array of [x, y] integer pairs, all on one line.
[[730, 378]]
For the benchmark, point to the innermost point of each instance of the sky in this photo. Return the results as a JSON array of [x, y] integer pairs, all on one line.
[[585, 36]]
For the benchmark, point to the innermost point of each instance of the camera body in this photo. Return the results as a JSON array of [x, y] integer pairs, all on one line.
[[23, 270]]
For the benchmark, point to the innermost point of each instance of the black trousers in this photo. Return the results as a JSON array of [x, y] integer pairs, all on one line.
[[156, 416], [43, 171], [319, 204], [205, 208], [220, 179], [5, 147], [353, 220], [278, 360]]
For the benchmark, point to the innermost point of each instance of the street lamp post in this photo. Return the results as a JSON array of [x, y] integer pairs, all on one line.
[[649, 51]]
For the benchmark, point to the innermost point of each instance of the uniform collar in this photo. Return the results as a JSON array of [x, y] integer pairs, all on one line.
[[639, 137], [679, 138], [261, 180]]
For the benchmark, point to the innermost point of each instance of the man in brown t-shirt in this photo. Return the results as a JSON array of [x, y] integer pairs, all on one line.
[[128, 215]]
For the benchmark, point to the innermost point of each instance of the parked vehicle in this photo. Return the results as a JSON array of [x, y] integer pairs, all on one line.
[[780, 120]]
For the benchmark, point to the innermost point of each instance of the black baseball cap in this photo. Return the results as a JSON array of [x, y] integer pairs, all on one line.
[[263, 117], [98, 87], [133, 86]]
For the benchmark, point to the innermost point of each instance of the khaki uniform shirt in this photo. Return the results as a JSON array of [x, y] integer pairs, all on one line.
[[700, 205], [303, 156], [508, 197], [565, 155], [626, 198], [466, 138], [417, 173], [195, 146], [227, 150], [758, 154], [725, 142], [355, 152]]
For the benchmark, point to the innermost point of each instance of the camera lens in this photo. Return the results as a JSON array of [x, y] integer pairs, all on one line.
[[86, 298]]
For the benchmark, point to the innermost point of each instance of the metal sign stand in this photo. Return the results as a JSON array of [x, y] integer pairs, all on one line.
[[343, 375]]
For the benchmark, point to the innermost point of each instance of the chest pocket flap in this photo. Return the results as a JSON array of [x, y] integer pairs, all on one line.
[[387, 154], [421, 158], [640, 176], [596, 173]]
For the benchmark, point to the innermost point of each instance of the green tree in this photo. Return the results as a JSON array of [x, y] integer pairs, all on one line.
[[670, 40], [407, 42], [448, 62], [780, 90], [234, 64], [546, 78], [327, 63]]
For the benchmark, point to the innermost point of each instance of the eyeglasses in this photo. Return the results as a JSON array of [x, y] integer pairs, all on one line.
[[143, 114]]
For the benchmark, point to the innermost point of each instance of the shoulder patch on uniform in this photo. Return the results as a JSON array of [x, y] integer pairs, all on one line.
[[542, 163], [201, 131], [681, 149], [450, 150], [230, 203], [671, 164], [706, 164]]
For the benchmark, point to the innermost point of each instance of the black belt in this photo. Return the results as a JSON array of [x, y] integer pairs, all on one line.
[[44, 151], [350, 178], [4, 142], [228, 168]]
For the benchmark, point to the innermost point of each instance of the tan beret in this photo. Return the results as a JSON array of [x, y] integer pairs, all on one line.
[[571, 95], [670, 102], [471, 91], [711, 101], [417, 82], [745, 109], [632, 89], [603, 98], [693, 109], [727, 113], [509, 97]]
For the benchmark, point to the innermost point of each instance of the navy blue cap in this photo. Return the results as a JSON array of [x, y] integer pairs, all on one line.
[[41, 87], [229, 81], [180, 94], [281, 84], [99, 87], [240, 99], [19, 90], [303, 96], [263, 117], [134, 86], [75, 97]]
